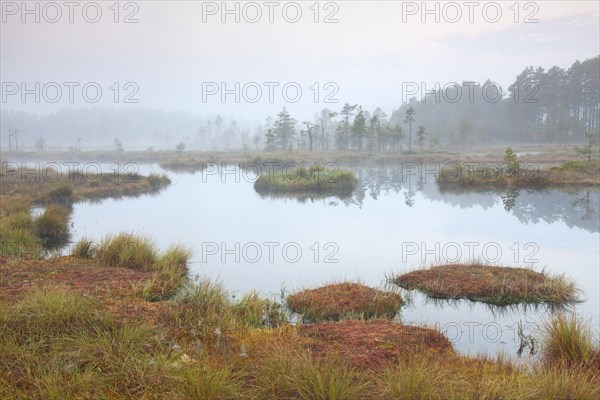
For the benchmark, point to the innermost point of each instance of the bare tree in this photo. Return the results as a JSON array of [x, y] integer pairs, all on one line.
[[309, 128]]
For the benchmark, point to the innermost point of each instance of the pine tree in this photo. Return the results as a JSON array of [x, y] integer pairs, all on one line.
[[511, 163], [421, 133], [410, 118], [359, 129], [284, 129]]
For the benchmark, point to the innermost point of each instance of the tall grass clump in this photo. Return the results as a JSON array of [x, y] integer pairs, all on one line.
[[253, 311], [206, 382], [164, 283], [413, 379], [52, 227], [568, 339], [203, 307], [175, 256], [127, 250], [325, 379], [85, 248], [287, 371], [16, 238], [171, 273], [19, 243], [561, 384], [126, 359], [62, 194], [157, 181], [48, 311]]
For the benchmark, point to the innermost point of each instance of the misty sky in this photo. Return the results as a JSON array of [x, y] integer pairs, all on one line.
[[367, 54]]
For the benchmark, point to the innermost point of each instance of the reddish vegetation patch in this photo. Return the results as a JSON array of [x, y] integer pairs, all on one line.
[[114, 287], [344, 301], [367, 344], [498, 285]]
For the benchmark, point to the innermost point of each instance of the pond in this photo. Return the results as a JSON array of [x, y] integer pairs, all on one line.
[[393, 222]]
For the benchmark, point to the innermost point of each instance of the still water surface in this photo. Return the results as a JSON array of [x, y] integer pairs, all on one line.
[[392, 223]]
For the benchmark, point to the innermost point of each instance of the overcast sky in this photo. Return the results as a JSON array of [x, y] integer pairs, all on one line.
[[366, 55]]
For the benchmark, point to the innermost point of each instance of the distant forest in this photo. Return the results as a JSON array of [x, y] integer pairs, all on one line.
[[553, 106], [541, 106]]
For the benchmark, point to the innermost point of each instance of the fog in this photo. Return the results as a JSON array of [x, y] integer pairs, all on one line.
[[158, 73]]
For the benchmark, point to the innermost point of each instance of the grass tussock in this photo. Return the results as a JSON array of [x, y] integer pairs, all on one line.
[[326, 379], [164, 283], [460, 378], [171, 273], [206, 382], [307, 180], [127, 250], [413, 379], [203, 310], [254, 311], [17, 240], [491, 284], [287, 371], [569, 340], [19, 243], [52, 227], [85, 248], [344, 301], [49, 311], [61, 194], [176, 256]]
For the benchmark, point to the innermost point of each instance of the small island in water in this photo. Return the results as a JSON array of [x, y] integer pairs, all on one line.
[[307, 180], [501, 286]]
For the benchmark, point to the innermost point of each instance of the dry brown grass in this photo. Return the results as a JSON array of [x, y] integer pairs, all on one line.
[[490, 284], [344, 301]]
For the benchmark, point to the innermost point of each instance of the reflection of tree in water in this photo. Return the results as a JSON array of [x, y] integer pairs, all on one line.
[[586, 205], [574, 208], [556, 205], [409, 193], [509, 199]]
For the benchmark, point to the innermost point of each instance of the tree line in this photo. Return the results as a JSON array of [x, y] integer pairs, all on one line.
[[554, 106]]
